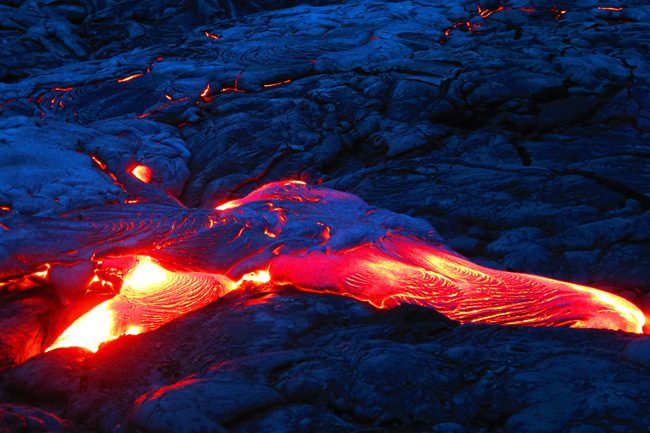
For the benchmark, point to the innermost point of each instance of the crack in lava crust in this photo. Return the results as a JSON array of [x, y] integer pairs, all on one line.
[[316, 239]]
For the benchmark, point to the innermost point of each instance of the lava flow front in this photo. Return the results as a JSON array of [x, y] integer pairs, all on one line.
[[315, 239], [150, 297]]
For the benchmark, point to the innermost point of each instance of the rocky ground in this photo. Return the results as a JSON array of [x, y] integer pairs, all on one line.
[[278, 360], [519, 130]]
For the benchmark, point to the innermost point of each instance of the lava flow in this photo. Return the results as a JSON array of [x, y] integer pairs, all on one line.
[[150, 297], [142, 173], [318, 240]]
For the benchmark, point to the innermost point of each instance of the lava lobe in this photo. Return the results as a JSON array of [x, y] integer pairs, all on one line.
[[316, 239]]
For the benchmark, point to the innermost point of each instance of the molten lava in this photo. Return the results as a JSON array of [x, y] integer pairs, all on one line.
[[212, 35], [266, 86], [150, 297], [90, 330], [142, 173], [401, 270], [610, 8], [318, 240], [129, 78]]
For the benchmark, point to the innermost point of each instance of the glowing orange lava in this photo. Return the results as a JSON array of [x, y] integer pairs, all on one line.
[[211, 35], [142, 173], [326, 241], [105, 322], [609, 8], [150, 297], [235, 87], [401, 270], [98, 162], [259, 277], [43, 273], [205, 94], [129, 78], [90, 330], [147, 276], [266, 86]]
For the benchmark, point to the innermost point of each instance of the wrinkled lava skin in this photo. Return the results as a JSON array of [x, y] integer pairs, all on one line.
[[315, 238]]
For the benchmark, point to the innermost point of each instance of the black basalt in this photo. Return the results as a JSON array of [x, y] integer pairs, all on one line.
[[518, 129]]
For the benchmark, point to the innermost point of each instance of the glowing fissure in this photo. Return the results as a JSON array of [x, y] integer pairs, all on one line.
[[204, 96], [610, 8], [266, 86], [484, 13], [105, 169], [3, 211], [129, 77], [55, 103], [326, 241], [212, 35], [235, 87], [162, 107]]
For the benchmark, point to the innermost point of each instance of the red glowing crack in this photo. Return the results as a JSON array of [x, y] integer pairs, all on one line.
[[280, 83], [54, 102], [610, 8], [162, 107], [129, 77], [235, 87], [485, 13], [211, 35]]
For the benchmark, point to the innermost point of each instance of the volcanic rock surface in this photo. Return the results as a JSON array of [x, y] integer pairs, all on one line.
[[518, 129]]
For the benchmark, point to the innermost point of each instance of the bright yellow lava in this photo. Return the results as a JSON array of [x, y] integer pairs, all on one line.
[[90, 330], [146, 276], [98, 325], [257, 277], [150, 297], [142, 173]]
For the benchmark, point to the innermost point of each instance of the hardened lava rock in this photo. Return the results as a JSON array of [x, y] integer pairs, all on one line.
[[518, 129], [272, 358]]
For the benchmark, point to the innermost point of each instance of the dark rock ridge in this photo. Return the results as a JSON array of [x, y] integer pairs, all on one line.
[[518, 129]]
